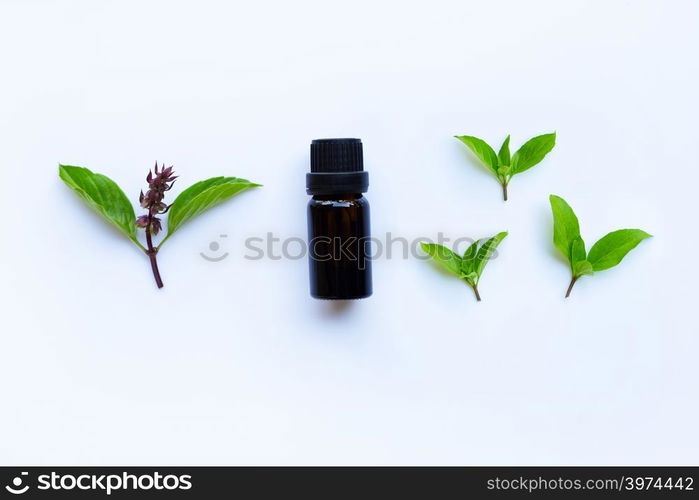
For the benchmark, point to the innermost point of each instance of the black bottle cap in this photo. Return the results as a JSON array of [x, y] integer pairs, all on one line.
[[337, 166]]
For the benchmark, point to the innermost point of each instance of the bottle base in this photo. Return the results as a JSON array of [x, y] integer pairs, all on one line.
[[343, 297]]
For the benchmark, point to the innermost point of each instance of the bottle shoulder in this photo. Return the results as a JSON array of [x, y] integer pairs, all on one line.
[[340, 201]]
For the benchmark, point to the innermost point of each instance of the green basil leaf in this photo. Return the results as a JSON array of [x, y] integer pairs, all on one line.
[[103, 195], [200, 197], [577, 251], [565, 225], [613, 247], [486, 251], [444, 256], [482, 150], [582, 267], [532, 152], [468, 261], [504, 153]]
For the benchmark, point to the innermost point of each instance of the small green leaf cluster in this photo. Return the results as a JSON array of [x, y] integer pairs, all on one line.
[[504, 166], [470, 266], [606, 253]]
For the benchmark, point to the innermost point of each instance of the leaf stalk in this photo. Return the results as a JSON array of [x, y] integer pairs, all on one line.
[[475, 290]]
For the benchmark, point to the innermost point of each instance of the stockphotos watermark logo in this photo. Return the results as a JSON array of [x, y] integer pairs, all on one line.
[[389, 246], [100, 483], [18, 484]]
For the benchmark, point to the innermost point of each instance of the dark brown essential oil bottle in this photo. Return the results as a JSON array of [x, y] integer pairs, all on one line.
[[338, 221]]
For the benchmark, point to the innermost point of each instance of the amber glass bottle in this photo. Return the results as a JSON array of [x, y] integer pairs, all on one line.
[[338, 221]]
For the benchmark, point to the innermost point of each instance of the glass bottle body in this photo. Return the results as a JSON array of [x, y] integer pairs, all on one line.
[[339, 247]]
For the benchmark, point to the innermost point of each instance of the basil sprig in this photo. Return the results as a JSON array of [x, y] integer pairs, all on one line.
[[606, 253], [470, 266], [504, 166], [105, 197]]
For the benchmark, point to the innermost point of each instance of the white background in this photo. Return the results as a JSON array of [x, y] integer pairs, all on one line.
[[233, 362]]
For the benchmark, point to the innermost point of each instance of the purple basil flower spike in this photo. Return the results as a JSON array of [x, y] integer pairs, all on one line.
[[159, 181]]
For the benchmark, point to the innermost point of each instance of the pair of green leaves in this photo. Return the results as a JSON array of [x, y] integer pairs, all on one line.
[[469, 267], [505, 166], [606, 253], [107, 199]]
